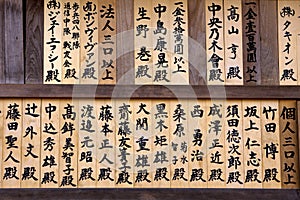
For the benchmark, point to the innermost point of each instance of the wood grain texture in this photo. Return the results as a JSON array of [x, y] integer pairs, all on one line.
[[34, 32], [125, 42], [143, 194], [248, 74], [14, 58], [150, 92], [2, 47], [197, 43], [269, 46]]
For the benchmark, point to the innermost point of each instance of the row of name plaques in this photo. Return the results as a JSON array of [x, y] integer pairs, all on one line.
[[81, 36], [88, 143]]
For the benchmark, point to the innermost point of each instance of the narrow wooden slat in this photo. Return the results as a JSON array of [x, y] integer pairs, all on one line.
[[287, 40], [215, 42], [143, 38], [162, 145], [162, 67], [14, 54], [34, 42], [125, 42], [124, 144], [252, 143], [270, 144], [89, 48], [50, 143], [179, 42], [197, 133], [197, 42], [107, 42], [106, 150], [216, 163], [233, 42], [87, 144], [2, 139], [251, 42], [31, 147], [289, 142], [71, 41], [68, 143], [142, 143], [234, 144], [53, 20], [269, 44], [12, 141], [179, 140]]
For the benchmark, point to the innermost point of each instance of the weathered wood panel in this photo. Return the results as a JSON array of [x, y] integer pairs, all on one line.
[[14, 58], [269, 45], [34, 41]]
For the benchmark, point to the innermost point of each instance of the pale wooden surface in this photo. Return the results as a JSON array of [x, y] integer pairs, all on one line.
[[233, 39], [48, 51], [34, 140], [195, 124], [288, 137], [255, 142], [52, 138], [221, 52], [103, 139], [270, 139], [85, 59], [64, 106], [113, 56], [234, 137], [87, 112], [16, 151]]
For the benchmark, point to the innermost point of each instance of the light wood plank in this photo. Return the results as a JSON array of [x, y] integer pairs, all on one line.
[[233, 45], [142, 143], [161, 42], [216, 163], [179, 42], [68, 139], [215, 36], [161, 145], [287, 40], [270, 144], [50, 143], [71, 42], [12, 137], [251, 42], [2, 139], [106, 150], [53, 23], [143, 36], [87, 144], [107, 42], [179, 138], [31, 147], [289, 142], [124, 144], [197, 133], [252, 143], [234, 144], [89, 46]]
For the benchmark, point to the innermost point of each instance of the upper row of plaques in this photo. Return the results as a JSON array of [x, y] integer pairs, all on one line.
[[80, 42]]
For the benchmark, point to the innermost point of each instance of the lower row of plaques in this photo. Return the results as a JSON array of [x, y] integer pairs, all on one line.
[[88, 143]]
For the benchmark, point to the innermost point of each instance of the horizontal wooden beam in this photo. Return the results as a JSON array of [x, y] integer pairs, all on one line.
[[149, 92], [149, 194]]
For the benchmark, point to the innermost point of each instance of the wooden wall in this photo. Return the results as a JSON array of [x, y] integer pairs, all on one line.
[[21, 61]]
